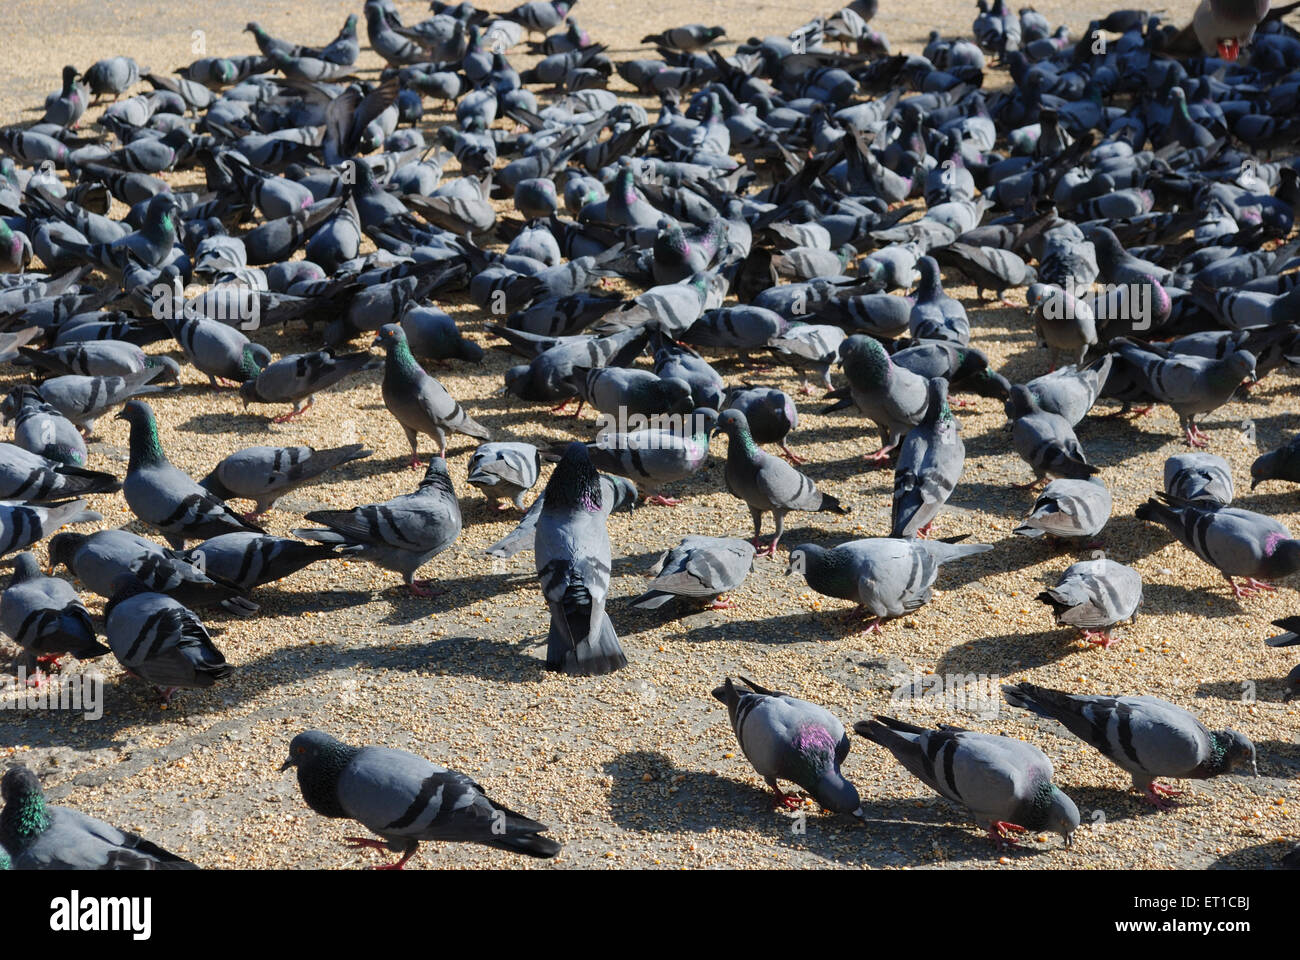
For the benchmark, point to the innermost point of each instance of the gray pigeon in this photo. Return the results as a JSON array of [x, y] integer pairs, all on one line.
[[630, 392], [1068, 508], [40, 429], [505, 471], [766, 483], [616, 493], [1005, 783], [160, 640], [1093, 596], [891, 396], [83, 400], [45, 617], [929, 465], [22, 524], [1191, 385], [218, 350], [402, 534], [771, 415], [1200, 476], [42, 836], [406, 800], [1045, 441], [571, 549], [809, 346], [657, 456], [248, 560], [886, 577], [1238, 543], [34, 479], [1065, 325], [700, 569], [165, 497], [1280, 464], [299, 377], [1147, 737], [419, 402], [264, 474], [1070, 391], [786, 738]]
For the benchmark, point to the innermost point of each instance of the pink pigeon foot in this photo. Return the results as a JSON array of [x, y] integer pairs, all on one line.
[[791, 455]]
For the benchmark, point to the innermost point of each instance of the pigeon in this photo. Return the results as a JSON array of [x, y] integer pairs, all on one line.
[[45, 617], [42, 430], [1223, 27], [1200, 476], [771, 414], [616, 493], [41, 836], [34, 479], [83, 400], [160, 640], [1290, 638], [1143, 736], [505, 471], [785, 738], [1238, 543], [1068, 508], [656, 456], [22, 525], [264, 474], [406, 800], [892, 397], [1093, 596], [572, 552], [401, 534], [1280, 464], [419, 402], [299, 377], [693, 36], [1045, 441], [1005, 783], [699, 569], [767, 484], [1066, 326], [248, 560], [886, 577], [930, 463], [1069, 391], [163, 496]]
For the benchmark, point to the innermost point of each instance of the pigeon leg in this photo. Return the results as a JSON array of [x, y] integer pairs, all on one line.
[[1259, 585], [720, 604], [563, 406], [805, 389], [366, 843], [293, 414], [791, 455], [252, 516], [789, 801], [1249, 588], [662, 501], [780, 529], [1099, 638], [1157, 795], [1029, 486], [422, 588], [880, 455], [1003, 833], [579, 410], [925, 531]]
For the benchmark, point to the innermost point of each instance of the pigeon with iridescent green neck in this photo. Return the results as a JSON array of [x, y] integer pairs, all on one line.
[[219, 350], [1143, 736], [930, 462], [766, 483], [149, 246], [15, 250], [166, 498], [418, 402], [892, 397], [786, 738], [41, 836], [1005, 783], [45, 617]]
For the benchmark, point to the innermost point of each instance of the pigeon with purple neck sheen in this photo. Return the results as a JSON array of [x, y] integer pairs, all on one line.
[[785, 738], [1238, 543], [572, 552], [1143, 736], [1005, 783], [766, 483]]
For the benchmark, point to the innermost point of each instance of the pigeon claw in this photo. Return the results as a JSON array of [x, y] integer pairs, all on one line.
[[422, 588], [1157, 794], [1196, 437], [720, 604], [663, 501], [1100, 638], [791, 455], [787, 800], [1004, 834]]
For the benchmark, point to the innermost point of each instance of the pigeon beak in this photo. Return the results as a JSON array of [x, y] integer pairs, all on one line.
[[286, 765], [860, 814], [377, 342]]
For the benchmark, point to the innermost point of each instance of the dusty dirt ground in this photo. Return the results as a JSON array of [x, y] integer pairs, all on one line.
[[640, 769]]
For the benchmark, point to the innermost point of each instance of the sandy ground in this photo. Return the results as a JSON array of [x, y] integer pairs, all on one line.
[[640, 769]]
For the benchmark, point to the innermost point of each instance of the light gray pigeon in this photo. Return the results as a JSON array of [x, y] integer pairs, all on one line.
[[1199, 476], [892, 397], [1068, 508], [165, 497], [1070, 391], [1147, 737], [571, 549], [32, 478], [264, 474], [929, 465], [1005, 783], [630, 392], [1191, 385], [300, 377], [886, 577], [700, 569], [40, 429], [42, 836], [45, 617], [809, 346], [505, 471], [766, 483], [419, 402], [656, 457], [1238, 543], [401, 534], [83, 400], [786, 738], [406, 800], [616, 493], [160, 640], [22, 524], [1045, 441], [1065, 325], [1093, 596]]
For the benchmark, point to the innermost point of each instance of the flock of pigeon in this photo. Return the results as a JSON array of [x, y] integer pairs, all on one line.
[[795, 201]]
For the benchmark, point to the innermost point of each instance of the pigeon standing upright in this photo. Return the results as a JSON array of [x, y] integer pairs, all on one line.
[[930, 463]]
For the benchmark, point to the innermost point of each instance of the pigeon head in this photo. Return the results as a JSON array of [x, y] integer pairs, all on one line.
[[1021, 402], [1238, 751], [25, 815], [1263, 468], [703, 422], [63, 547], [1062, 815], [320, 760], [25, 567], [733, 423], [390, 336], [575, 481], [989, 383], [864, 359], [248, 393], [816, 750]]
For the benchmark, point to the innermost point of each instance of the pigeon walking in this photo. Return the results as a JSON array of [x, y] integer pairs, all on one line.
[[1093, 596], [699, 569]]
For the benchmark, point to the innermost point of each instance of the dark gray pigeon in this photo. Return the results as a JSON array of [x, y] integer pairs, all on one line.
[[45, 617], [264, 474], [299, 377], [571, 548], [1070, 391], [1290, 638], [1280, 464], [402, 534], [930, 462], [248, 560], [406, 800], [1093, 596], [616, 493], [786, 738], [891, 396], [1005, 783], [1146, 737], [41, 836], [1191, 385], [699, 569]]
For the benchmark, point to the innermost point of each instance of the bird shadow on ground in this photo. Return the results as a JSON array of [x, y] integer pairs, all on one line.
[[1236, 690], [690, 801], [1269, 503], [1279, 753], [1109, 442], [790, 628], [1009, 652], [1102, 805], [1173, 596], [1248, 858]]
